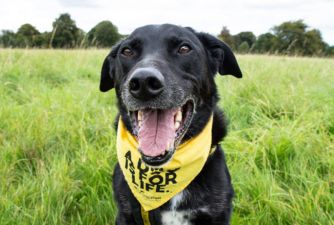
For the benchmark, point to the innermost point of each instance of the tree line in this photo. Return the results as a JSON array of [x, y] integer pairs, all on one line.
[[65, 34], [288, 38]]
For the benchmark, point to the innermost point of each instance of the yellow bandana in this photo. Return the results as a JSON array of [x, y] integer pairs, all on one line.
[[153, 187]]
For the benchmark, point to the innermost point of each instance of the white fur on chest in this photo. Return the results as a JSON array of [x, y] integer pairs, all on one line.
[[174, 216]]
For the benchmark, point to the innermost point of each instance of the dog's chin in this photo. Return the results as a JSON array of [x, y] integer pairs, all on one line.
[[160, 131]]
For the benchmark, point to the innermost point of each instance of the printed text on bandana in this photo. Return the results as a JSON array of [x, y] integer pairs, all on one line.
[[148, 179]]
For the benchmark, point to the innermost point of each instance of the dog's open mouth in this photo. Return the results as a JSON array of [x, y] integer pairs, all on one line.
[[160, 131]]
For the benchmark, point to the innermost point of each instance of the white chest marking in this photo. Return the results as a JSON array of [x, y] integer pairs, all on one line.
[[177, 200], [176, 217]]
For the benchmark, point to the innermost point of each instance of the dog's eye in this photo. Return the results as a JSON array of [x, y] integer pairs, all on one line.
[[127, 52], [184, 49]]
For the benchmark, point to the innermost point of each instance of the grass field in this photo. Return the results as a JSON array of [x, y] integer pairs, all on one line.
[[57, 143]]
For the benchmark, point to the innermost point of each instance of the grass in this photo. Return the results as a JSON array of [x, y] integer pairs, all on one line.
[[57, 143]]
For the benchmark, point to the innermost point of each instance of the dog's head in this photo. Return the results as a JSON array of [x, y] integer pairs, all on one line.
[[164, 81]]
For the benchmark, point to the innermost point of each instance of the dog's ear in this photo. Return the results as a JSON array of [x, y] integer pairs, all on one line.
[[221, 57], [107, 77], [108, 70]]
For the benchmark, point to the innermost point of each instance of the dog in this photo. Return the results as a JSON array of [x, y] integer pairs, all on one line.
[[163, 77]]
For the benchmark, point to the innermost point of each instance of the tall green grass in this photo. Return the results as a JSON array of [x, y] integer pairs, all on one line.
[[57, 140]]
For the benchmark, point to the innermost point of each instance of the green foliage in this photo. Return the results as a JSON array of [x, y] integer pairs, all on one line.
[[294, 39], [227, 37], [43, 40], [243, 47], [313, 44], [246, 37], [329, 50], [288, 38], [65, 33], [27, 36], [104, 34], [265, 43], [8, 39], [57, 142]]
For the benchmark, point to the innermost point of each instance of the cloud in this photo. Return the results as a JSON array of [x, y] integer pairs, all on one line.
[[78, 3]]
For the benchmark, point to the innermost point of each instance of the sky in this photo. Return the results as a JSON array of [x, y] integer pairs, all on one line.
[[258, 16]]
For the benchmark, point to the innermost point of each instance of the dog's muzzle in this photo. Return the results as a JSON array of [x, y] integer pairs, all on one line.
[[158, 121]]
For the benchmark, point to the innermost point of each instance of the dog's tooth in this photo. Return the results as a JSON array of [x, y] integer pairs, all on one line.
[[177, 125], [169, 145], [140, 115], [178, 117]]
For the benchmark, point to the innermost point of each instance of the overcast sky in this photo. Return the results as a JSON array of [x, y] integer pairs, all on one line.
[[206, 15]]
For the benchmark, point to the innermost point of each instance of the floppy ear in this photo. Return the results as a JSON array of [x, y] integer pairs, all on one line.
[[107, 79], [221, 57], [108, 70]]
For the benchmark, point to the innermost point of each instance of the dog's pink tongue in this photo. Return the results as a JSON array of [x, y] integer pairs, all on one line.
[[157, 131]]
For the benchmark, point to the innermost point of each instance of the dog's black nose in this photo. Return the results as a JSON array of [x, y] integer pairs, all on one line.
[[146, 83]]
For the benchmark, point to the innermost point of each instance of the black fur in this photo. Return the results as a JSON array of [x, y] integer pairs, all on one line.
[[190, 75]]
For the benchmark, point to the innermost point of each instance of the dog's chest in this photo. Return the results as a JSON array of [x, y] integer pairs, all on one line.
[[174, 216]]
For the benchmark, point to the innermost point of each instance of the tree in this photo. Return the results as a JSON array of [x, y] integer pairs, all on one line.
[[313, 43], [329, 50], [8, 39], [290, 37], [43, 39], [27, 36], [227, 37], [245, 36], [265, 43], [65, 33], [81, 38], [294, 38], [243, 47], [104, 34]]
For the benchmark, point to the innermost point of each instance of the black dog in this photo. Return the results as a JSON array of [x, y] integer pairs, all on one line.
[[163, 67]]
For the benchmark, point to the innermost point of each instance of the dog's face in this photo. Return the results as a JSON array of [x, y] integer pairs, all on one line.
[[164, 81]]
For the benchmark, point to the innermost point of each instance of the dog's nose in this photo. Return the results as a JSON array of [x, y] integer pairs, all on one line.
[[146, 83]]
